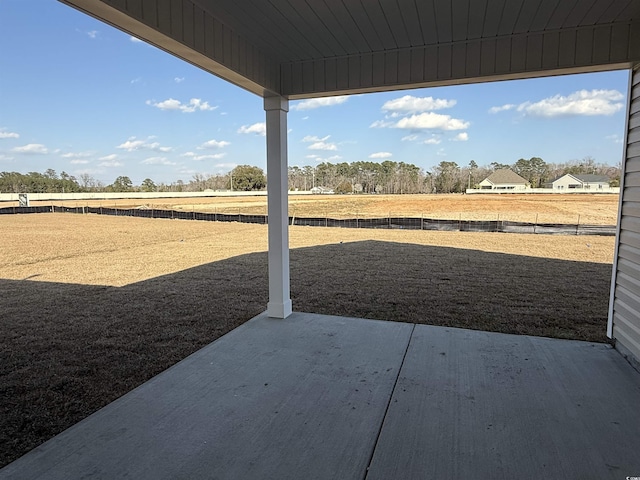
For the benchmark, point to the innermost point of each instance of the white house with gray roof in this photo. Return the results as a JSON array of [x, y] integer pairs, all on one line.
[[582, 182], [504, 179]]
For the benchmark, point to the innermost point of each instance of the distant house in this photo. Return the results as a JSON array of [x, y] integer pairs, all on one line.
[[582, 182], [321, 190], [504, 179]]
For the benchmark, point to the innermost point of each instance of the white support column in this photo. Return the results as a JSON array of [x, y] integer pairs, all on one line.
[[279, 305]]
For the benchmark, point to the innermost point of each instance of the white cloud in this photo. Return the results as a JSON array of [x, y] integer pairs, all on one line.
[[136, 80], [79, 161], [195, 104], [411, 104], [461, 137], [314, 138], [157, 147], [214, 144], [319, 102], [77, 155], [615, 138], [92, 34], [132, 145], [158, 161], [109, 158], [110, 164], [4, 134], [580, 103], [432, 141], [5, 158], [230, 166], [32, 148], [178, 79], [409, 138], [135, 40], [198, 158], [502, 108], [320, 159], [257, 128], [318, 143], [430, 120], [381, 155], [381, 124], [323, 146]]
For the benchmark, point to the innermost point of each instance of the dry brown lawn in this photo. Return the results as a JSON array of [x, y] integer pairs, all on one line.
[[533, 208], [92, 306]]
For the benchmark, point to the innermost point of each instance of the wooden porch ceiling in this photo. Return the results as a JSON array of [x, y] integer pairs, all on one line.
[[310, 48]]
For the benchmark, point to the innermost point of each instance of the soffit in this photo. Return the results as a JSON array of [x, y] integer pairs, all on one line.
[[300, 30]]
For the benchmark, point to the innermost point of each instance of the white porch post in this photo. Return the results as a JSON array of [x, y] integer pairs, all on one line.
[[279, 305]]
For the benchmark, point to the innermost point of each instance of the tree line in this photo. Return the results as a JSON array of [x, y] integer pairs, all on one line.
[[387, 177], [449, 177], [243, 177]]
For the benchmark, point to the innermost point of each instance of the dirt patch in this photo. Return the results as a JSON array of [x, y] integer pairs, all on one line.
[[92, 306]]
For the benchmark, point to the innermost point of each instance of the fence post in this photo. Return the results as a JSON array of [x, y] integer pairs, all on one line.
[[578, 224], [422, 221]]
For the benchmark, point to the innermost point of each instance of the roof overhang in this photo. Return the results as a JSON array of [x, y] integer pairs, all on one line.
[[306, 49]]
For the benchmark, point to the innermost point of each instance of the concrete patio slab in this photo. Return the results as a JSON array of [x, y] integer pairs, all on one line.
[[321, 397], [297, 398], [472, 404]]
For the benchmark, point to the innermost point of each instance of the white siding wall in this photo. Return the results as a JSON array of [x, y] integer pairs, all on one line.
[[564, 182], [625, 305]]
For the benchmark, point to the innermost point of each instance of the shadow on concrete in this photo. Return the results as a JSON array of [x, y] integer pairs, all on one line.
[[67, 349]]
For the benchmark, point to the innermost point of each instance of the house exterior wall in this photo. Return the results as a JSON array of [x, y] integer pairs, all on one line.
[[624, 309], [487, 185], [566, 182], [569, 182]]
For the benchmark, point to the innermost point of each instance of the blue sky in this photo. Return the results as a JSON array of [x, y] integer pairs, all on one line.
[[79, 96]]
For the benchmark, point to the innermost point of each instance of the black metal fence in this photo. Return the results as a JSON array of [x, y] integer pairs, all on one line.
[[402, 223]]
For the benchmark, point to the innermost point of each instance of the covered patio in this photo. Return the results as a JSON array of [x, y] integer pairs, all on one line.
[[317, 396], [293, 395]]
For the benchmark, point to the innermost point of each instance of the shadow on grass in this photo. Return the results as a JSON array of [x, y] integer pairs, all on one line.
[[68, 350]]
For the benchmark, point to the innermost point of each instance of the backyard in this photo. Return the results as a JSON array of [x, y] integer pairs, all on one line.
[[93, 306]]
